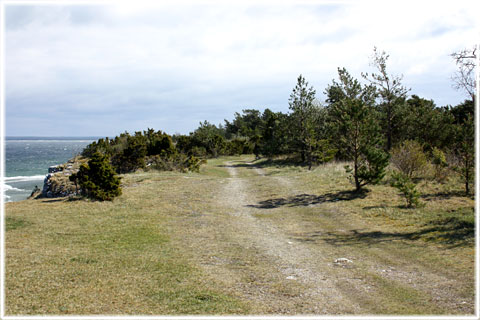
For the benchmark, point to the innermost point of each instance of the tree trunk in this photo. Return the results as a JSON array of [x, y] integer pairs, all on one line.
[[355, 174], [389, 127], [467, 178]]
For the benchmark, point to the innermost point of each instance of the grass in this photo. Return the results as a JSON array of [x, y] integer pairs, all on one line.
[[172, 245], [105, 258]]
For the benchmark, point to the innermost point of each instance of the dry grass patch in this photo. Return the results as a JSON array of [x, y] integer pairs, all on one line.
[[243, 237]]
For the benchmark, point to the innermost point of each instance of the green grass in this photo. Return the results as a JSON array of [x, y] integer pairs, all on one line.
[[170, 245], [12, 223], [82, 257]]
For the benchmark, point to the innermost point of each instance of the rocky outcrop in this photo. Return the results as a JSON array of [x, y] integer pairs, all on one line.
[[57, 182]]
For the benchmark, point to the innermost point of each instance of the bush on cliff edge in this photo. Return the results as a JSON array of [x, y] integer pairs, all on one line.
[[97, 179]]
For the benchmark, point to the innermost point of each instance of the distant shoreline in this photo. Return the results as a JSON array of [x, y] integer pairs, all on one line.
[[49, 138]]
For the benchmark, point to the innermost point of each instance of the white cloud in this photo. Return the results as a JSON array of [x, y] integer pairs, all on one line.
[[216, 57]]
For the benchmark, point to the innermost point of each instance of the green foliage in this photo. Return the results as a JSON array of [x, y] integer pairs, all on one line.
[[464, 148], [159, 143], [97, 179], [462, 111], [133, 156], [406, 186], [302, 119], [153, 149], [392, 95], [424, 122], [240, 145], [409, 158], [248, 124], [322, 151], [102, 145], [275, 134], [177, 162], [440, 165], [210, 137], [353, 123], [198, 152], [372, 164]]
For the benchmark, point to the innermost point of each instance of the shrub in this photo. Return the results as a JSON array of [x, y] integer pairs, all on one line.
[[177, 162], [406, 186], [97, 179], [193, 163], [322, 151], [409, 158], [132, 157], [199, 152], [440, 165]]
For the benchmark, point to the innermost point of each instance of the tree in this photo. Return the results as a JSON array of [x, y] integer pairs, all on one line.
[[424, 122], [464, 77], [132, 157], [407, 187], [97, 179], [391, 91], [159, 143], [274, 136], [248, 124], [464, 147], [356, 129], [302, 106], [210, 137]]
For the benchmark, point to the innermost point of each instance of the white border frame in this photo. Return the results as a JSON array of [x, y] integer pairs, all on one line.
[[3, 3]]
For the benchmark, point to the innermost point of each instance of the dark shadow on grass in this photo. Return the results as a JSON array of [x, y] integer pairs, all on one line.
[[303, 200], [375, 207], [46, 200], [60, 199], [293, 161], [444, 195], [451, 231]]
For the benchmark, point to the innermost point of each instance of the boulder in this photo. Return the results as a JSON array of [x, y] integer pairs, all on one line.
[[57, 182]]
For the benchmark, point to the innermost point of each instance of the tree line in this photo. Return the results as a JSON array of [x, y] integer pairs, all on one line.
[[369, 123]]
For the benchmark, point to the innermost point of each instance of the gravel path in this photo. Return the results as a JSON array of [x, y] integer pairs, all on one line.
[[294, 260], [284, 264]]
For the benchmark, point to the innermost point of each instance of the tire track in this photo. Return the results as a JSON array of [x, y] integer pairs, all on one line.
[[294, 260]]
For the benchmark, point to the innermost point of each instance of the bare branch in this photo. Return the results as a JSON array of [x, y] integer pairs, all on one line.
[[464, 77]]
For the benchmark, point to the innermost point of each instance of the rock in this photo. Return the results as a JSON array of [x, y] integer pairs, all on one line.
[[35, 193], [54, 169], [57, 183], [343, 261]]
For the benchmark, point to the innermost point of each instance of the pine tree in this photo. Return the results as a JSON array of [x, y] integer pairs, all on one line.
[[464, 147], [356, 129], [302, 106], [97, 179], [391, 92]]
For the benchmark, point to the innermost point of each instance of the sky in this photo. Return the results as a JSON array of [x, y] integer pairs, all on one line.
[[100, 69]]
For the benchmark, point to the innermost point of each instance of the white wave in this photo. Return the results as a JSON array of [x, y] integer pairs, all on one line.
[[24, 178], [6, 187], [7, 198]]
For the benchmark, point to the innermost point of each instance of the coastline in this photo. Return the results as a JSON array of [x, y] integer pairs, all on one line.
[[28, 159]]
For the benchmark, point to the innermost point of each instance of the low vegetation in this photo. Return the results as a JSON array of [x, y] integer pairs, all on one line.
[[244, 236], [97, 179]]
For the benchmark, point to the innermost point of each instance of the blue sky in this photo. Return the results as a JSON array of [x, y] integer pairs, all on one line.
[[99, 70]]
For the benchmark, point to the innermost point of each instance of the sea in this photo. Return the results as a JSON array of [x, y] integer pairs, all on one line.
[[27, 160]]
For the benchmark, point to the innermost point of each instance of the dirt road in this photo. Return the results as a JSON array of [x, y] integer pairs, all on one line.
[[271, 242]]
